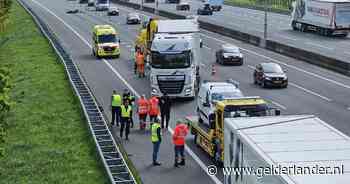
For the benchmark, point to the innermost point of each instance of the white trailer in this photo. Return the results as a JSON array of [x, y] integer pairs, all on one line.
[[327, 17], [175, 57], [294, 143]]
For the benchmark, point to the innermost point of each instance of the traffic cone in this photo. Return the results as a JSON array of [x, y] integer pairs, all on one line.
[[213, 69]]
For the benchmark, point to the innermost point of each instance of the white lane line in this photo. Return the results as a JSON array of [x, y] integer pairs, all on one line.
[[202, 64], [282, 63], [348, 108], [188, 149], [310, 92], [303, 89], [320, 46], [206, 47]]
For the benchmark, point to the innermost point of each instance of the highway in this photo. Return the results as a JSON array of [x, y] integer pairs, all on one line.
[[312, 90], [279, 29]]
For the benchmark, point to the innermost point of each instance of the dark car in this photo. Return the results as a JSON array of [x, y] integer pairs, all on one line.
[[270, 75], [172, 1], [183, 6], [206, 10], [229, 54], [83, 1], [91, 3], [133, 18]]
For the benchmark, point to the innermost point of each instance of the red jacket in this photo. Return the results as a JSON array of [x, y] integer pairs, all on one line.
[[153, 106], [180, 133]]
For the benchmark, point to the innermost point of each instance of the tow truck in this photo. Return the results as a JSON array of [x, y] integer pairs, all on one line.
[[211, 138]]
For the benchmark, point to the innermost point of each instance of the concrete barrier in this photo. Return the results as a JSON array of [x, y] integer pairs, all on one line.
[[304, 55], [310, 57]]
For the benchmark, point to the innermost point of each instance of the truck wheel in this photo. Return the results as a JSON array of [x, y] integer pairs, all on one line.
[[195, 139]]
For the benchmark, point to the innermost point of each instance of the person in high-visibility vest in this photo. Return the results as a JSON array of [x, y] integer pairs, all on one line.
[[140, 62], [142, 110], [116, 102], [126, 119], [156, 138], [130, 98], [137, 50], [180, 133], [153, 108]]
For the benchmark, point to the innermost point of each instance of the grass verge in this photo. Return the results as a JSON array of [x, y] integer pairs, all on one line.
[[277, 6], [47, 139]]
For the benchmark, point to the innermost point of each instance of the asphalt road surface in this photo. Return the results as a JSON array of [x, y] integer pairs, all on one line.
[[279, 29], [312, 90]]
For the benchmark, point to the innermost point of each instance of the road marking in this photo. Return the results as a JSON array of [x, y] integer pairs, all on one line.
[[303, 89], [282, 63], [319, 45], [311, 92], [206, 47], [202, 64], [193, 155], [348, 108], [278, 104]]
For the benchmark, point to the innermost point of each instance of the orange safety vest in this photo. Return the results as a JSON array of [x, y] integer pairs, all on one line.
[[143, 106], [153, 110], [140, 59], [180, 132]]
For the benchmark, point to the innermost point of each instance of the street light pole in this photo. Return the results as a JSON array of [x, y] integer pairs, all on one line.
[[141, 7], [265, 21], [156, 10]]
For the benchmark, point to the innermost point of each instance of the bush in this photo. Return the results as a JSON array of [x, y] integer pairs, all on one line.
[[5, 104]]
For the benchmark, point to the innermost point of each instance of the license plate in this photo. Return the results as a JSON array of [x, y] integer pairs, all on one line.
[[278, 82]]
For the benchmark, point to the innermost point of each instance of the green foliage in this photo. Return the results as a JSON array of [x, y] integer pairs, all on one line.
[[282, 6], [5, 104]]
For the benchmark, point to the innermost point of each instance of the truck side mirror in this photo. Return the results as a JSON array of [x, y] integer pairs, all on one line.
[[277, 112]]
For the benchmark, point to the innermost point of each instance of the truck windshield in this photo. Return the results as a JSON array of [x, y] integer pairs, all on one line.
[[107, 38], [343, 16], [225, 95], [231, 111], [171, 60]]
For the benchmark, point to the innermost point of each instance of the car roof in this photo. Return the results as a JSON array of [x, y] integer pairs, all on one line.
[[220, 86]]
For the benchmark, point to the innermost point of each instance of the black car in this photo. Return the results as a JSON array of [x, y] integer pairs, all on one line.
[[206, 10], [270, 75], [133, 18], [83, 1], [229, 54], [183, 6], [172, 1], [91, 3]]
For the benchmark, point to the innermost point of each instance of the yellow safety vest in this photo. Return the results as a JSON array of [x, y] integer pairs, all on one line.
[[154, 135], [126, 111], [116, 101]]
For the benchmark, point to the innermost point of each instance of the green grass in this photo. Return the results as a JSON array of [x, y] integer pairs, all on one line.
[[47, 139]]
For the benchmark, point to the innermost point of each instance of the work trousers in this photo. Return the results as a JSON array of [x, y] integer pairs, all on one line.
[[156, 146], [115, 114], [125, 123], [165, 115], [152, 118], [180, 151]]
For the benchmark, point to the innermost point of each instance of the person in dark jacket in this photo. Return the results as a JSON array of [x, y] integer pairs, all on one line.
[[165, 106]]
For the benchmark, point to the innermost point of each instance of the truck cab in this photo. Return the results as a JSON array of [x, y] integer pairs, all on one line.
[[211, 138], [212, 92], [105, 41], [173, 62]]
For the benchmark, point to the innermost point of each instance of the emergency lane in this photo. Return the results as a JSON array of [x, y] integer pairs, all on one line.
[[103, 79]]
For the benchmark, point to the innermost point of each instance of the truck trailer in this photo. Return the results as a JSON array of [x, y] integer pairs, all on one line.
[[326, 17], [288, 149]]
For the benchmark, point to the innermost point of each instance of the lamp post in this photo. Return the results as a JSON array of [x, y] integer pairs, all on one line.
[[265, 20], [156, 9], [141, 7]]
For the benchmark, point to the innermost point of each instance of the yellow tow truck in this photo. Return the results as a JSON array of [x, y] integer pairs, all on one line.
[[105, 41], [211, 138]]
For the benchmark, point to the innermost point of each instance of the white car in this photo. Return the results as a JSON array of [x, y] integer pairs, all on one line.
[[113, 11], [212, 92], [133, 18]]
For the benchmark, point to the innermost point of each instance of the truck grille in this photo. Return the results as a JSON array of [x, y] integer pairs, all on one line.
[[171, 84], [108, 49]]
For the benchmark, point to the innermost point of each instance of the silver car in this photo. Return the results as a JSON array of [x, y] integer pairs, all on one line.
[[133, 18]]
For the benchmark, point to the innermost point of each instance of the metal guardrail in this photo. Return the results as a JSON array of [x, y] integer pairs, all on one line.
[[113, 161]]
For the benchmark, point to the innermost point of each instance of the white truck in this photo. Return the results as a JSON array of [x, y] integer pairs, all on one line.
[[326, 17], [174, 58], [289, 149], [102, 5]]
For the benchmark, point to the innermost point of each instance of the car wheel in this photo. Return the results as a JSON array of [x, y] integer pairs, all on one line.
[[241, 62]]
